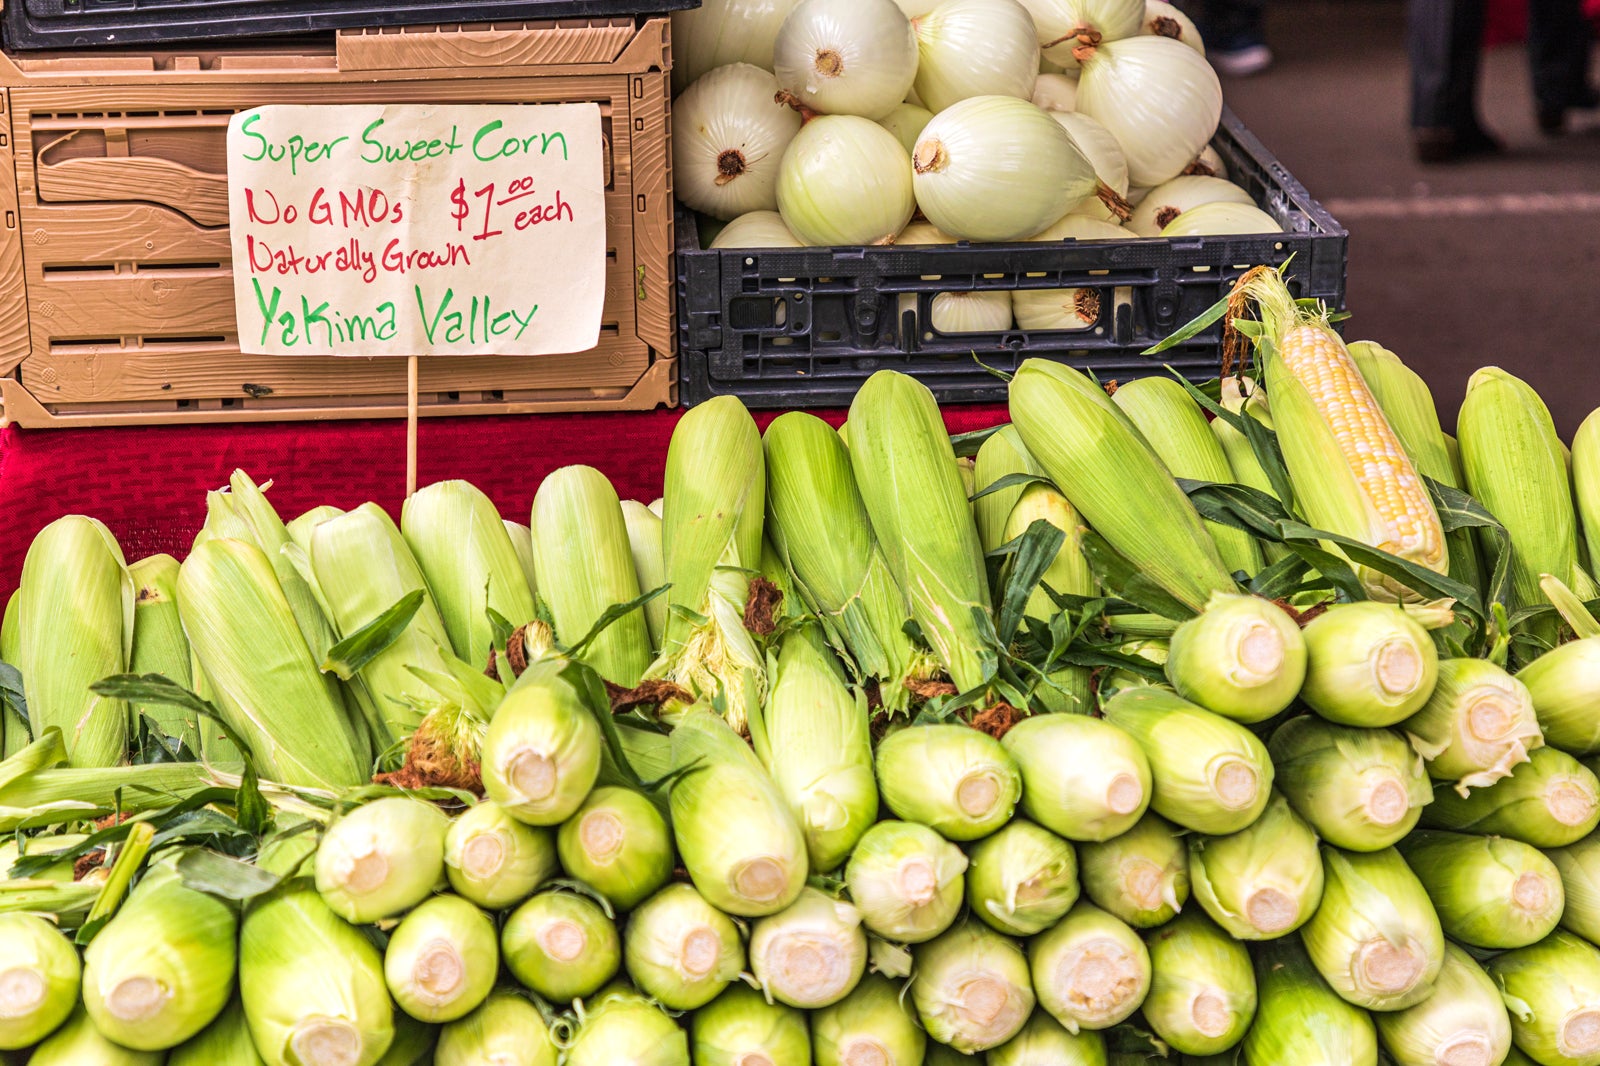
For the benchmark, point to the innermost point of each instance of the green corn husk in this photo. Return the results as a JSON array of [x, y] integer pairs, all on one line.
[[681, 951], [1176, 430], [522, 543], [1083, 778], [225, 1042], [1001, 455], [1068, 688], [1209, 774], [1299, 1019], [1077, 434], [906, 881], [1376, 938], [820, 530], [649, 564], [1408, 405], [1586, 484], [381, 859], [10, 634], [471, 566], [903, 462], [621, 1027], [414, 1043], [1142, 876], [775, 571], [75, 613], [39, 980], [312, 986], [1238, 395], [1562, 683], [751, 868], [1202, 991], [619, 845], [541, 755], [959, 781], [584, 563], [299, 529], [260, 672], [442, 960], [811, 953], [814, 739], [740, 1027], [711, 533], [162, 969], [561, 945], [363, 567], [1515, 464], [1021, 880], [1090, 970], [1579, 866], [1263, 882], [53, 844], [1361, 789], [1463, 1021], [79, 1043], [14, 733], [1045, 1042], [494, 860], [1242, 658], [943, 1055], [1489, 892], [159, 645], [1153, 651], [1368, 664], [1550, 801], [872, 1024], [52, 797], [1477, 725], [1552, 990], [506, 1028], [972, 989]]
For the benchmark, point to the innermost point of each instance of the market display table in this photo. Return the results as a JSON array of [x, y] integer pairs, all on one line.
[[148, 484]]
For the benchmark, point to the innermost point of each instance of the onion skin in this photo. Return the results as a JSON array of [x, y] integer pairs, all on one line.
[[730, 136], [719, 32], [1159, 98], [846, 57]]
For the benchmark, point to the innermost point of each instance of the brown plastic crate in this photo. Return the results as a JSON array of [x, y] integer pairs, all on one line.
[[116, 289]]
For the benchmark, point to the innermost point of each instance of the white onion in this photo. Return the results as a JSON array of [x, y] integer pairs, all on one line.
[[970, 312], [995, 168], [906, 122], [1221, 219], [973, 48], [1050, 66], [915, 8], [1208, 163], [1083, 228], [719, 32], [729, 135], [1161, 19], [1136, 194], [1172, 198], [845, 180], [1056, 92], [1104, 154], [1160, 99], [846, 57], [758, 229], [1055, 309], [1065, 25]]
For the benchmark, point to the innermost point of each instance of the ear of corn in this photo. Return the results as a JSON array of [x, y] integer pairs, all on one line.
[[522, 542], [261, 674], [1350, 472], [1068, 689], [1001, 455], [75, 626], [159, 646], [299, 529], [1586, 482], [1177, 432], [1077, 434], [54, 796], [649, 564], [1408, 405], [460, 542], [820, 530], [14, 735], [916, 500]]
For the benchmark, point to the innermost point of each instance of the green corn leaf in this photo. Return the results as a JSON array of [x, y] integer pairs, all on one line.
[[226, 878], [348, 656], [1036, 550], [1123, 580]]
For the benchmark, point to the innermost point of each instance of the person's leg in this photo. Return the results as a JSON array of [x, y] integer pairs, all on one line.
[[1558, 59], [1444, 40], [1235, 36]]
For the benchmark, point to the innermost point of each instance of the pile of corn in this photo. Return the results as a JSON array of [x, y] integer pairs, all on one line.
[[1229, 726]]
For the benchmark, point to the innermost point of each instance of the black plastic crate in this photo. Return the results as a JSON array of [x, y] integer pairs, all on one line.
[[804, 327], [98, 23]]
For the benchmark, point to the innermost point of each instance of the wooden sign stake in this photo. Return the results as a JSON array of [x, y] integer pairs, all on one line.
[[411, 426]]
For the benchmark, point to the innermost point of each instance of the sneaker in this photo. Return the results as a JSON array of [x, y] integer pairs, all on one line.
[[1241, 62]]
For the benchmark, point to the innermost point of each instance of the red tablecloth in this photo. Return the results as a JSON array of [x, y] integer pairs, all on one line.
[[149, 484]]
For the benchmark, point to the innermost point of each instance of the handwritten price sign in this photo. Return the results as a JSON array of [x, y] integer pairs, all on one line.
[[417, 229]]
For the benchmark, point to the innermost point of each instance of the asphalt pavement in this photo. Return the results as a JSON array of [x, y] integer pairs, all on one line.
[[1452, 266]]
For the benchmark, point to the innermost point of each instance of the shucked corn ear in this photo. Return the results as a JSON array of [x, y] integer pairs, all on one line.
[[711, 532], [1350, 472], [1408, 405], [1002, 454], [584, 564], [75, 627], [461, 543], [1177, 432], [260, 672], [820, 530], [1077, 434], [159, 646], [915, 497]]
